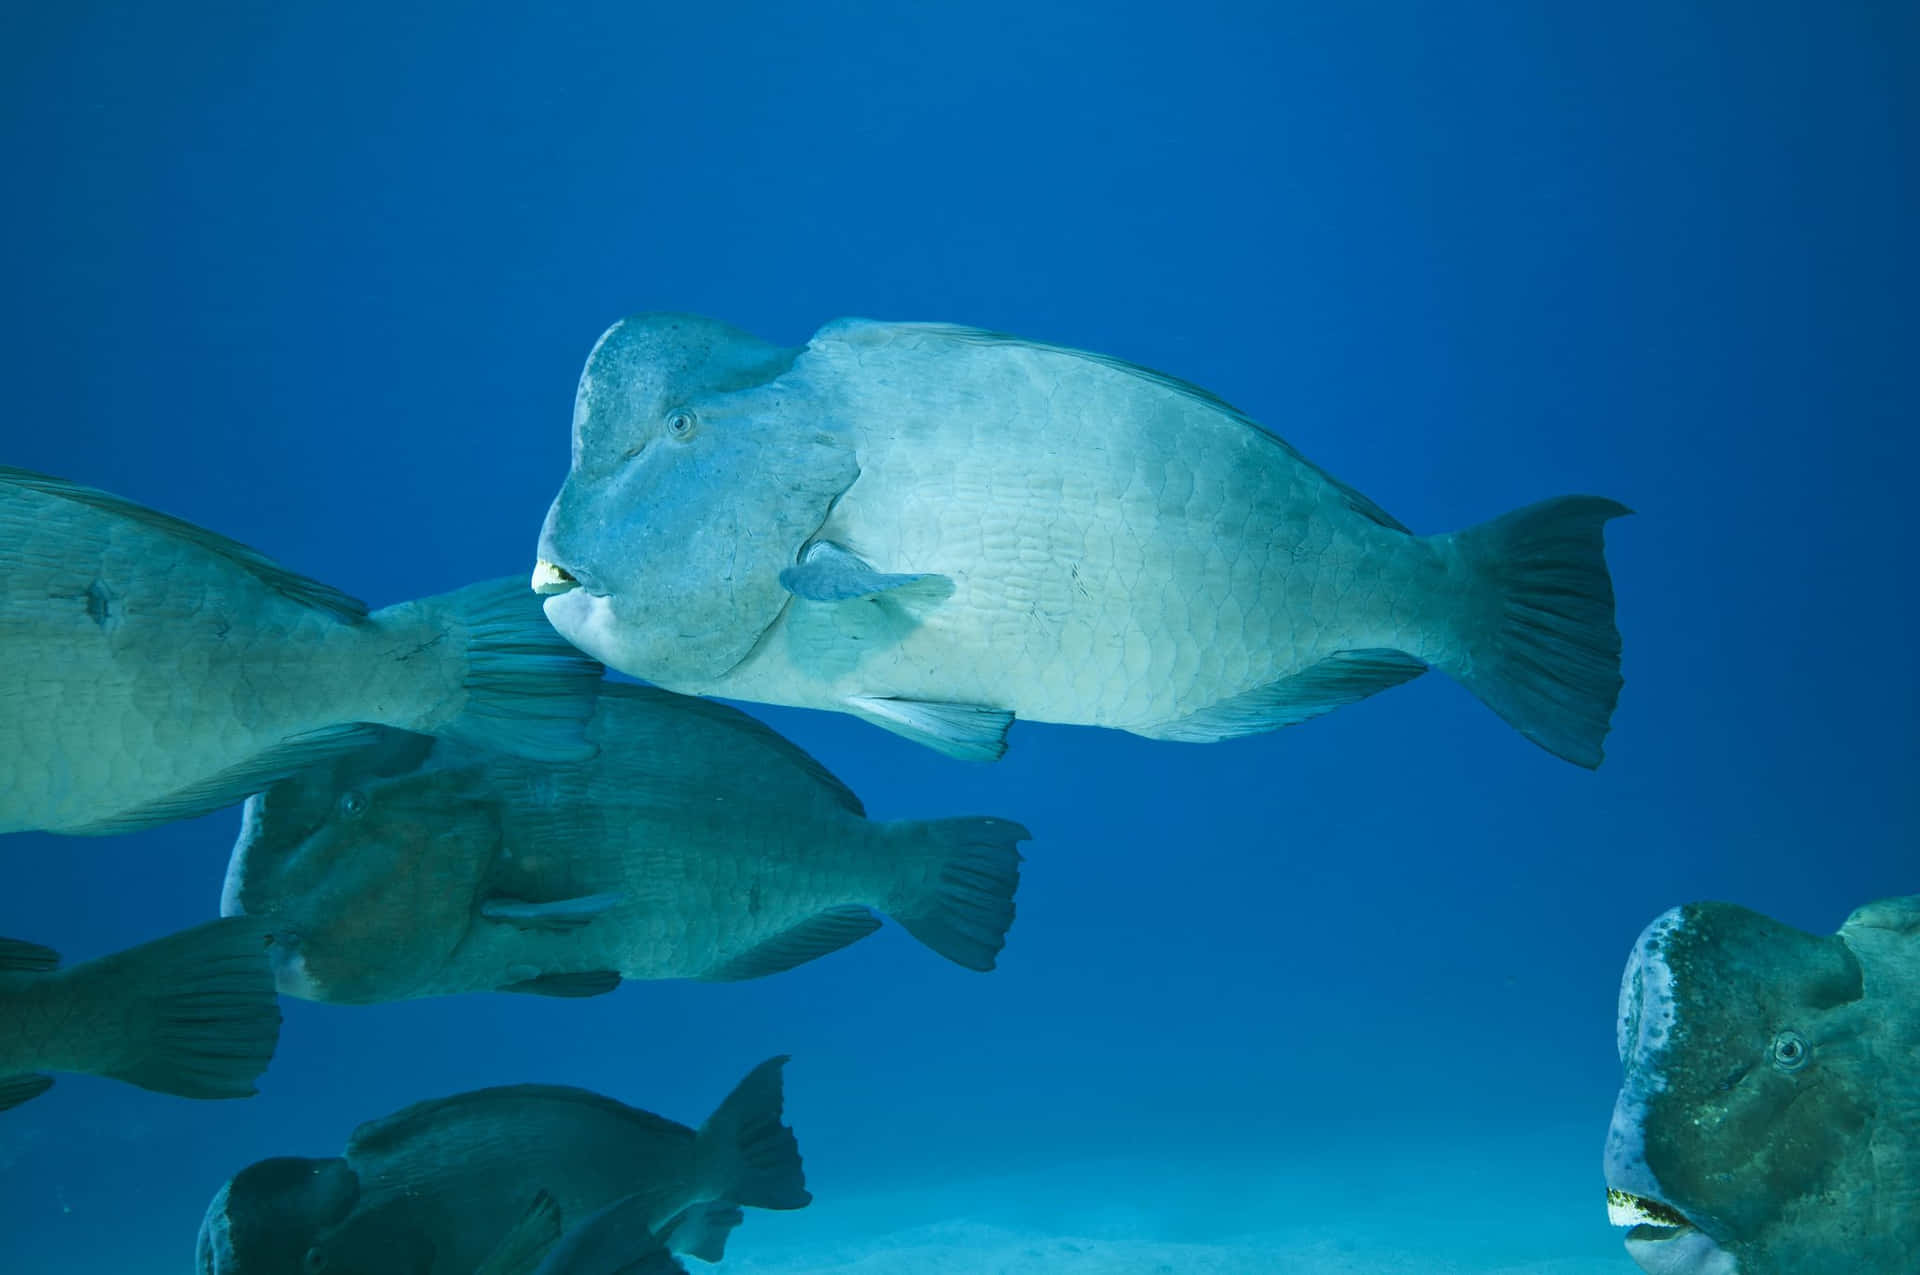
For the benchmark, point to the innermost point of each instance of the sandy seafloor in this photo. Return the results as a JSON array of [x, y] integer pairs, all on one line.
[[1498, 1203]]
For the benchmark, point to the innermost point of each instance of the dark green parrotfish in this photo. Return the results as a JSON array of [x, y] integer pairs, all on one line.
[[1769, 1119], [697, 843], [443, 1187], [937, 529], [151, 670], [193, 1014]]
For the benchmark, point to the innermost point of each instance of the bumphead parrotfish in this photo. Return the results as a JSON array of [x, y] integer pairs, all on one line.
[[192, 1014], [443, 1187], [936, 529], [1769, 1118], [151, 670], [696, 843]]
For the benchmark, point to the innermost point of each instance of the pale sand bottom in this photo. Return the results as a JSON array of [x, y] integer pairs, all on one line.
[[1522, 1208]]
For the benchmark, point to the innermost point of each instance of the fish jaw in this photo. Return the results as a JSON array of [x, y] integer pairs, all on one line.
[[550, 579], [1662, 1242]]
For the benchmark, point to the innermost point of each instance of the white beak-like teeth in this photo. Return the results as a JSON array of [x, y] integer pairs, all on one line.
[[549, 579]]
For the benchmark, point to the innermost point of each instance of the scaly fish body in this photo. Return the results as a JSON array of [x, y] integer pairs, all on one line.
[[939, 529], [151, 670], [443, 1181], [696, 843]]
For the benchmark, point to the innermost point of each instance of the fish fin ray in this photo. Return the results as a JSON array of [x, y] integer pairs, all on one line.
[[521, 1249], [745, 1153], [557, 916], [290, 584], [578, 984], [530, 692], [967, 907], [20, 956], [970, 732], [1541, 648], [15, 1090], [701, 1231], [813, 938], [237, 783], [202, 1017], [1343, 678], [828, 573]]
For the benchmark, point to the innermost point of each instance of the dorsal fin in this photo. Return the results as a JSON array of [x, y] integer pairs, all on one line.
[[389, 1133], [735, 720], [289, 584], [858, 330]]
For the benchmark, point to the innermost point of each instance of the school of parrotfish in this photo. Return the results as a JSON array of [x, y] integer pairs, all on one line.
[[937, 530]]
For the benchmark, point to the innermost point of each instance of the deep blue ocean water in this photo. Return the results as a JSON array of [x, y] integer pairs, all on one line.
[[322, 276]]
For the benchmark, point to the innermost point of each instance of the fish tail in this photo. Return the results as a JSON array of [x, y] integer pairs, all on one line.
[[1535, 637], [192, 1014], [963, 881], [745, 1154], [527, 690]]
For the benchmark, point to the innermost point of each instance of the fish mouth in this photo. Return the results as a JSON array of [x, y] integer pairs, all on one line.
[[1649, 1221], [550, 578]]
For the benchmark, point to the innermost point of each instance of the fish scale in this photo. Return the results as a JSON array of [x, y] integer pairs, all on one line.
[[939, 529]]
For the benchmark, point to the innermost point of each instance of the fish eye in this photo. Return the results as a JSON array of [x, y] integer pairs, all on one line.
[[1790, 1051], [314, 1262], [353, 804], [680, 423]]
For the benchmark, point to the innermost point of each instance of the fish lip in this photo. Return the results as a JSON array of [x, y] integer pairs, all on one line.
[[552, 580], [1648, 1220]]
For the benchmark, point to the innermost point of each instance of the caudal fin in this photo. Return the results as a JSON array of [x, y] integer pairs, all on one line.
[[529, 691], [192, 1014], [745, 1154], [1537, 641], [964, 878]]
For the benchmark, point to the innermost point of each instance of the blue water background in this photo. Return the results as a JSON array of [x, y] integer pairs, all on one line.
[[322, 276]]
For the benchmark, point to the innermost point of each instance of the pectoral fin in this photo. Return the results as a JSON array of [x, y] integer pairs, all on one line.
[[557, 916], [971, 732], [829, 573]]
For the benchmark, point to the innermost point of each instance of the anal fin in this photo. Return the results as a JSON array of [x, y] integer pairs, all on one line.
[[1340, 679], [21, 957], [970, 732], [15, 1090], [582, 984], [811, 939]]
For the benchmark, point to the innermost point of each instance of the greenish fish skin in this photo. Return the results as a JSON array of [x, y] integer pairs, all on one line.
[[193, 1014], [937, 528], [441, 1186], [1768, 1122], [696, 843], [151, 670]]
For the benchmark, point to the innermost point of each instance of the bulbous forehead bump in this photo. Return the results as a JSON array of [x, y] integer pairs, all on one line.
[[648, 364]]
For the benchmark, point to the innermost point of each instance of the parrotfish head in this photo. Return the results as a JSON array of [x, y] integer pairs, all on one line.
[[698, 474], [268, 1216], [359, 864], [1742, 1118]]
